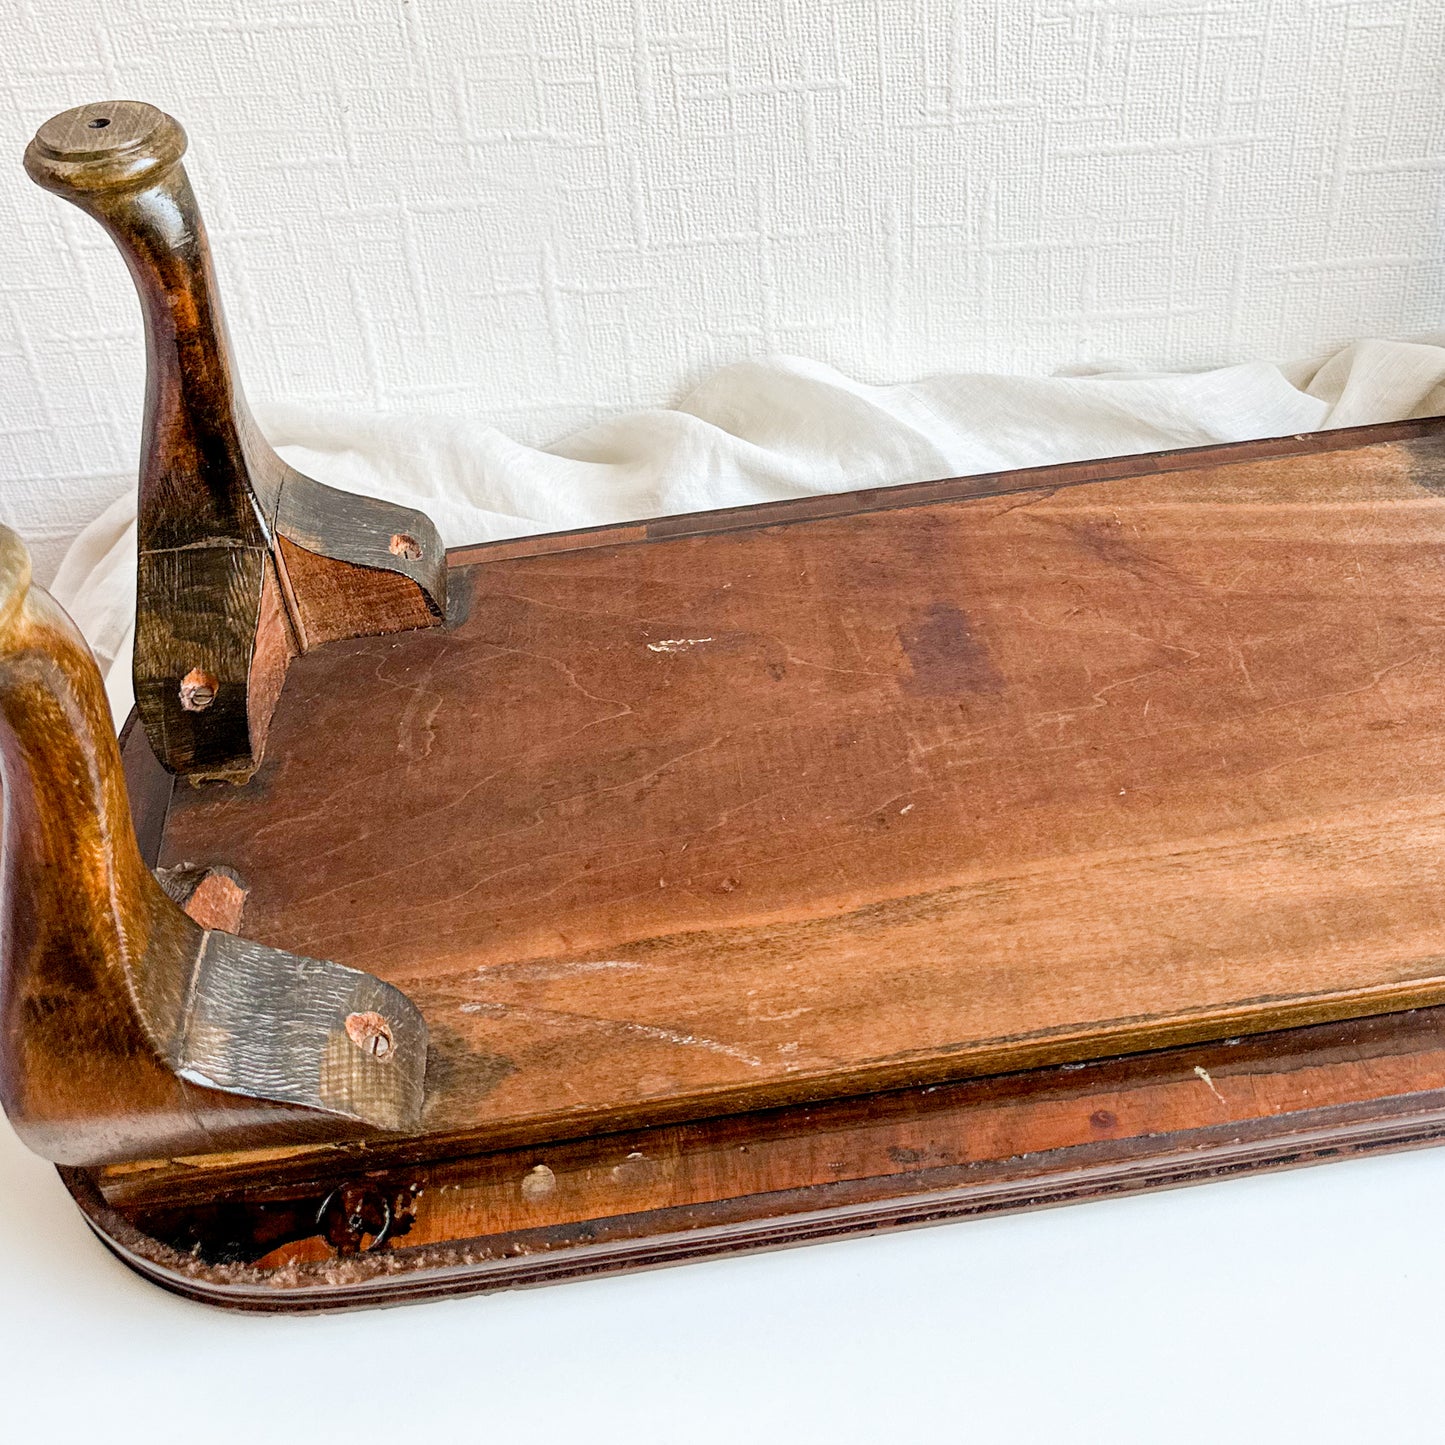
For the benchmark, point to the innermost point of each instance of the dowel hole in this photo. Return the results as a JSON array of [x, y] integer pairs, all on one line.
[[198, 690], [99, 123], [371, 1034]]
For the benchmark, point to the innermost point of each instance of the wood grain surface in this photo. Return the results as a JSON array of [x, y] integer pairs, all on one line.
[[132, 1021], [217, 603], [817, 805], [329, 1238]]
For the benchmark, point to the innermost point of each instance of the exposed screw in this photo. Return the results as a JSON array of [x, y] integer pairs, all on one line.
[[371, 1034], [354, 1212], [198, 690]]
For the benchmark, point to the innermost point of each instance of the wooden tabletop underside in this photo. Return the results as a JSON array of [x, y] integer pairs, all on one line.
[[674, 821]]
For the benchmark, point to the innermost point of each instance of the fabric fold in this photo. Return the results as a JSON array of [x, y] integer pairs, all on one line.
[[767, 430]]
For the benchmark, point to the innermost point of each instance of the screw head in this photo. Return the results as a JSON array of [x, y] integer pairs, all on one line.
[[371, 1033], [198, 690]]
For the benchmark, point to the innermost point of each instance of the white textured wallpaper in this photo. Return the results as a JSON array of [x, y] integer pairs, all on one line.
[[546, 213]]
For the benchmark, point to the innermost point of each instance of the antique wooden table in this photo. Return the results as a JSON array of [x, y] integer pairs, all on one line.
[[625, 896]]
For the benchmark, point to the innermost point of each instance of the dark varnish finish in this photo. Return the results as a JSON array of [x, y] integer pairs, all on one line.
[[853, 865], [345, 1239], [730, 820], [243, 561], [707, 882], [128, 1025]]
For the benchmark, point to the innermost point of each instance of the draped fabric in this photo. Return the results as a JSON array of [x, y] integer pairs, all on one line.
[[761, 431]]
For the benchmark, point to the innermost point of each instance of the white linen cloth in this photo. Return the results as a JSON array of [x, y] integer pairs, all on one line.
[[760, 431]]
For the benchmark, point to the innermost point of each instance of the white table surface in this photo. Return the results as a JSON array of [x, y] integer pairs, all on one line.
[[1307, 1306]]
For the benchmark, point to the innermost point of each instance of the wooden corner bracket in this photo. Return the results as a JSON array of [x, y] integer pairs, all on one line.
[[127, 1029], [244, 562]]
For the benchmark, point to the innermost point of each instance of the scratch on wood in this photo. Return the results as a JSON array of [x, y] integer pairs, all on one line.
[[1204, 1074], [677, 644], [627, 1026], [547, 971]]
